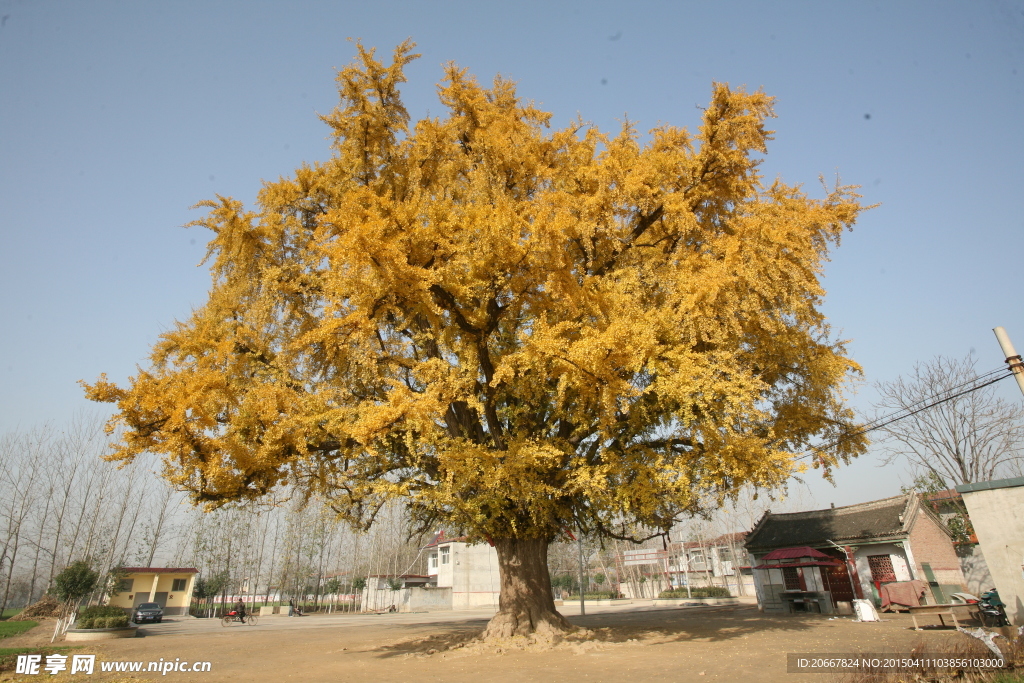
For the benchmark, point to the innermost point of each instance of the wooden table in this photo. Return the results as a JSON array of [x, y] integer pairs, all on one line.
[[938, 610]]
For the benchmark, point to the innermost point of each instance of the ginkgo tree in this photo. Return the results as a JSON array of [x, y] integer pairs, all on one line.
[[513, 330]]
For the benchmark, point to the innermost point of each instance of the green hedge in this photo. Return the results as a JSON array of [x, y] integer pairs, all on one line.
[[697, 592], [101, 617], [103, 622], [604, 595], [95, 611]]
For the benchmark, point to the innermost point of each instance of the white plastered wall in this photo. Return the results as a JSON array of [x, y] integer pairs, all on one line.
[[998, 518]]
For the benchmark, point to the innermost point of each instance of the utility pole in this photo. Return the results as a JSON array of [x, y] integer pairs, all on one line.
[[579, 544], [1013, 359]]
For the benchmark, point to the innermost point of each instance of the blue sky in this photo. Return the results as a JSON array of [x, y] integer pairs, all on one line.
[[116, 117]]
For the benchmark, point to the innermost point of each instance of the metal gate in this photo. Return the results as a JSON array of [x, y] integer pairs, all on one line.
[[837, 578]]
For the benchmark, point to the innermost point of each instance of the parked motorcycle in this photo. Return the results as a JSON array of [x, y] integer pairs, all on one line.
[[993, 610], [964, 599]]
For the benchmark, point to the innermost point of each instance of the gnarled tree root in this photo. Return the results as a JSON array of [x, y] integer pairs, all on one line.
[[543, 625]]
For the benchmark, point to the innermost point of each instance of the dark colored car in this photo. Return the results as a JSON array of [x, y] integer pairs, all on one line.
[[148, 611]]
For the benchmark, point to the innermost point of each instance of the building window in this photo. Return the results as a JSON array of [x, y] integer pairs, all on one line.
[[126, 585], [792, 578], [697, 560], [445, 554], [179, 584], [433, 560], [881, 569]]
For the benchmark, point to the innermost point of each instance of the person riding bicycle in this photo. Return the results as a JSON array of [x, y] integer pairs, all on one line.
[[240, 610]]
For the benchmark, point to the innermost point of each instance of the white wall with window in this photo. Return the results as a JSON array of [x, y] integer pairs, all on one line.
[[432, 564], [471, 571]]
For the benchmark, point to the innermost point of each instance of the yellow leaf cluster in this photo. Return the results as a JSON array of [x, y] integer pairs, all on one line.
[[509, 327]]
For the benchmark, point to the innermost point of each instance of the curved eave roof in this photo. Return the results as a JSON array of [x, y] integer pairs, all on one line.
[[888, 519]]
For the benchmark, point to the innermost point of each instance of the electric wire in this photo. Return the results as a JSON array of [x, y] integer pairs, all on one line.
[[911, 406], [910, 410]]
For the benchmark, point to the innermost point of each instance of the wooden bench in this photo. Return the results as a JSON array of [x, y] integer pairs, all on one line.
[[937, 610]]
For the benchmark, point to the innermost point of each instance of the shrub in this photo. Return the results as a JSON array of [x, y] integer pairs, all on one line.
[[697, 592], [118, 622], [100, 611], [596, 595], [602, 595], [75, 582]]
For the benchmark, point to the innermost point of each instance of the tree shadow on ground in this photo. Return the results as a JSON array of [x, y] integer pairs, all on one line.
[[709, 624], [446, 636], [667, 625]]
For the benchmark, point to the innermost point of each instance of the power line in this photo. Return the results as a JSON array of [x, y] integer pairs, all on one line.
[[911, 410], [912, 406]]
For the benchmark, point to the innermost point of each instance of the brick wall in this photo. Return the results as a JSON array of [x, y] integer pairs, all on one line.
[[931, 545]]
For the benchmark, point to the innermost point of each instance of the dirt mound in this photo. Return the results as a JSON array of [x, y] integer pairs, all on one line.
[[47, 607]]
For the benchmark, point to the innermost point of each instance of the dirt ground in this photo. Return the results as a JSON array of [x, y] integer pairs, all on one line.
[[624, 644]]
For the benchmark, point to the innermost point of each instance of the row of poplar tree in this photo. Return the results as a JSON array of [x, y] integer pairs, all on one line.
[[63, 504]]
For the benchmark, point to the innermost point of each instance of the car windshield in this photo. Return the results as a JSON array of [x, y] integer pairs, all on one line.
[[148, 605]]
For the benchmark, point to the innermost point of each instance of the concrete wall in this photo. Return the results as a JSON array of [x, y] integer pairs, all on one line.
[[475, 578], [651, 588], [445, 570], [739, 583], [998, 518], [471, 573], [976, 573], [426, 599], [378, 599], [415, 599]]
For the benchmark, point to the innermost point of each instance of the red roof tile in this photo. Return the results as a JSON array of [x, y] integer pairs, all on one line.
[[794, 553]]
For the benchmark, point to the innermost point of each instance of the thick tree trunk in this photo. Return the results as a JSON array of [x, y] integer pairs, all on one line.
[[526, 605]]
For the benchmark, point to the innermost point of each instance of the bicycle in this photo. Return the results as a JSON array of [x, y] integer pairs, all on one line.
[[233, 617]]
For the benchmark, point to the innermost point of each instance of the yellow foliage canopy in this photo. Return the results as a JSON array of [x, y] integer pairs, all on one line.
[[509, 327]]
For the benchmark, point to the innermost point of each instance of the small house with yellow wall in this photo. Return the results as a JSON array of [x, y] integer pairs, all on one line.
[[171, 588]]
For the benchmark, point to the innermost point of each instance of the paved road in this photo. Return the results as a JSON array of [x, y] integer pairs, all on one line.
[[627, 643], [191, 626]]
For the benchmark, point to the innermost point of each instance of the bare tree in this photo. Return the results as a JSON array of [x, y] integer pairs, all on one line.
[[160, 512], [974, 436], [20, 496], [67, 462]]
